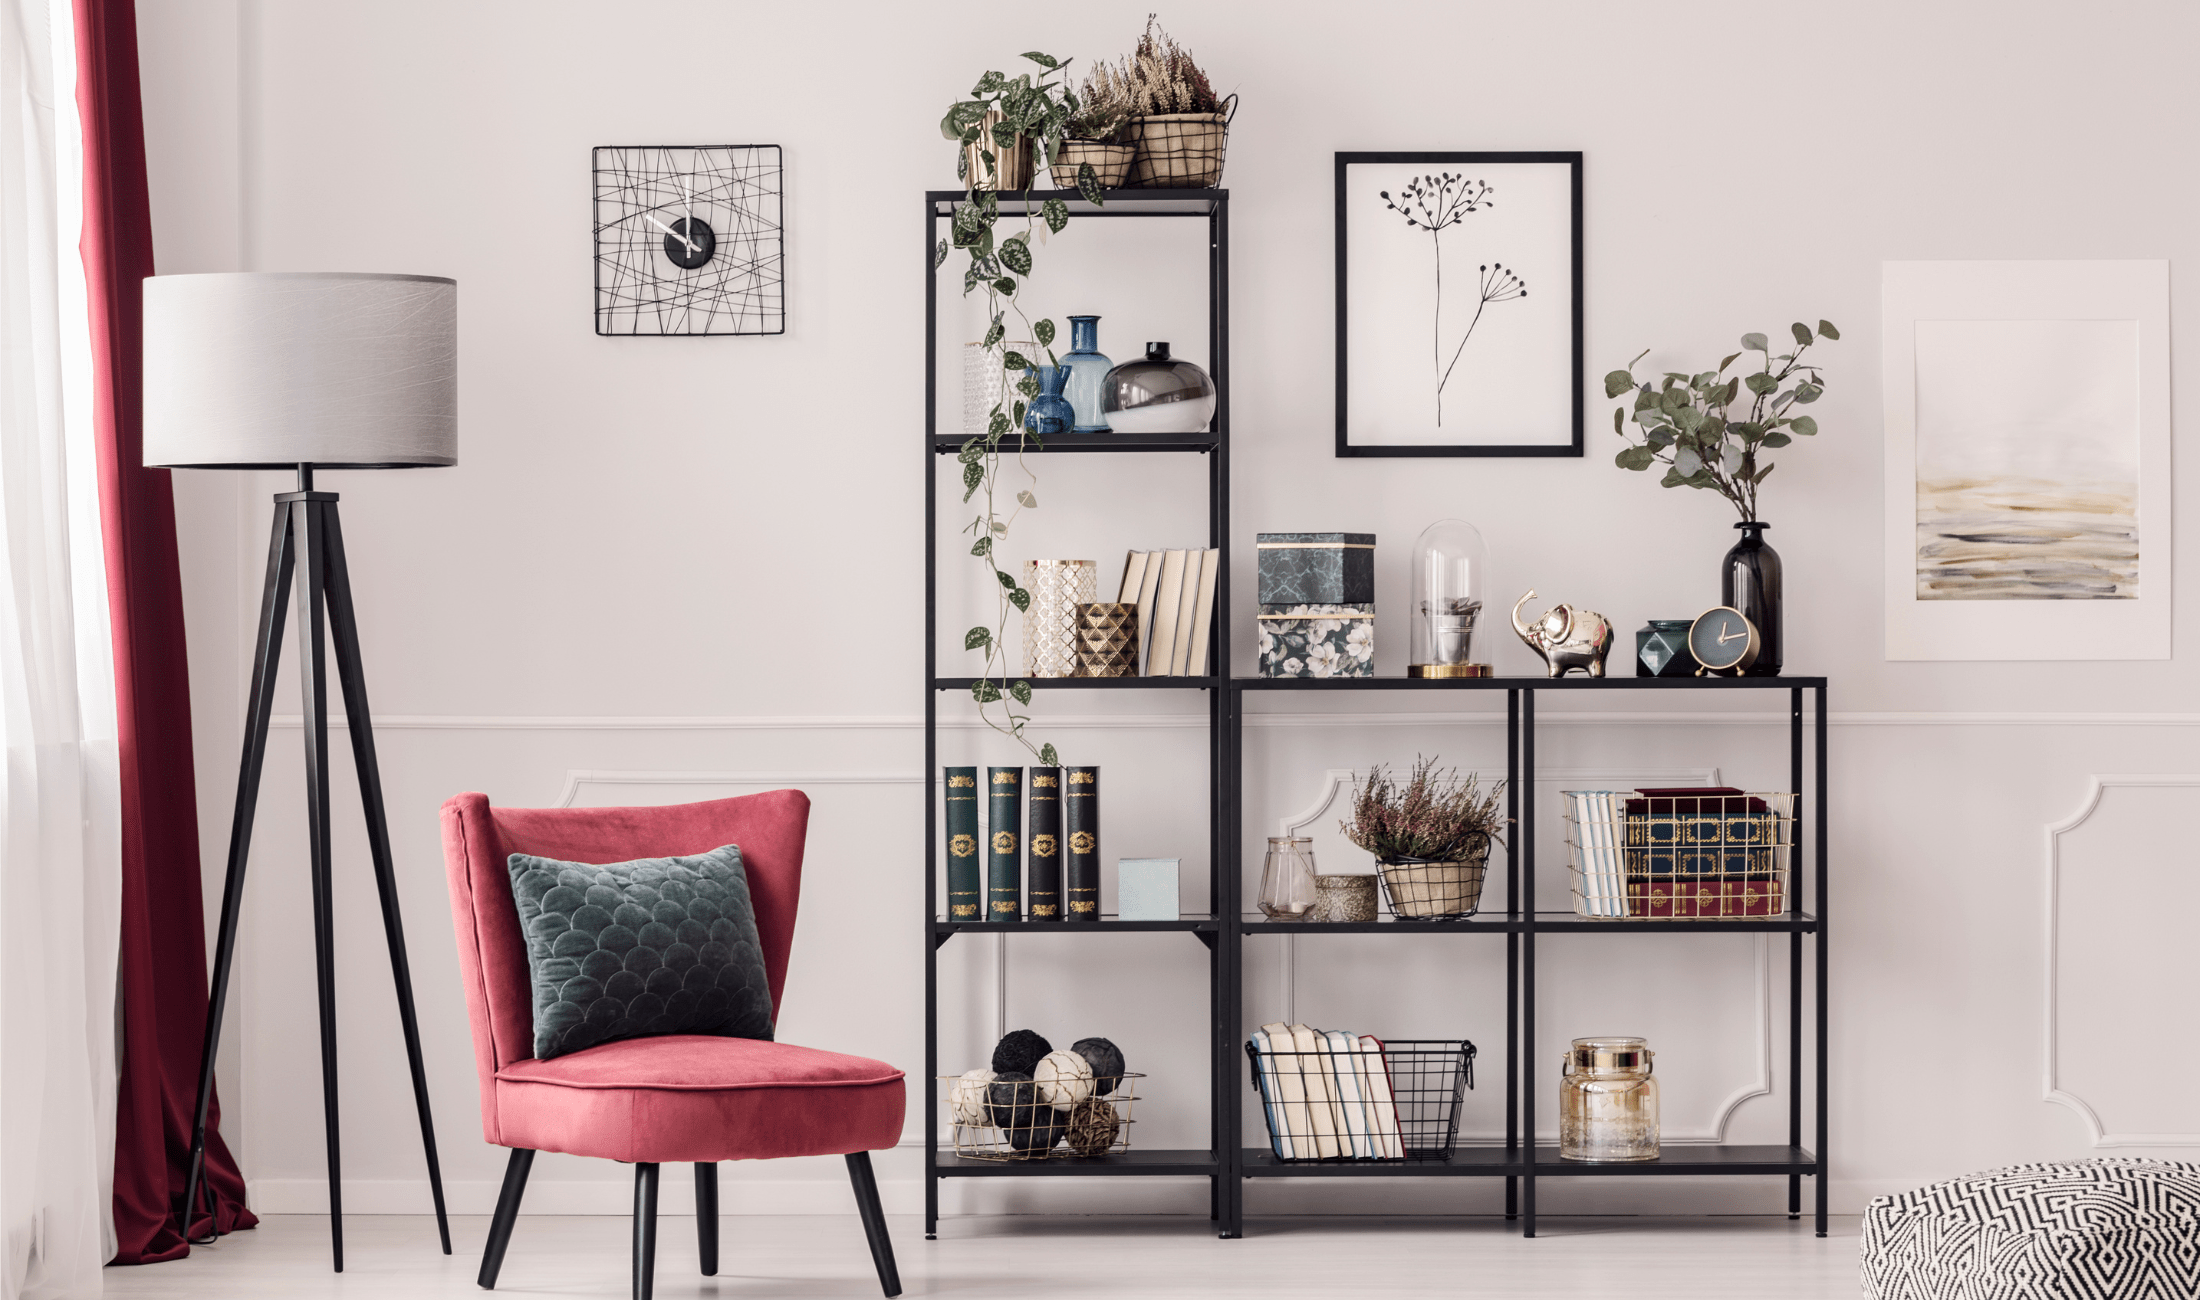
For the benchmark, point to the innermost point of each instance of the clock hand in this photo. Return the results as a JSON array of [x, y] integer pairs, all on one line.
[[670, 231], [1737, 636]]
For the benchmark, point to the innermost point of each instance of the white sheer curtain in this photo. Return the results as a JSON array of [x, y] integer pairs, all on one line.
[[60, 834]]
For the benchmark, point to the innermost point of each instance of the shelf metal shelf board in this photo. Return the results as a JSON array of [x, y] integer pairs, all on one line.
[[1465, 1162], [1690, 1160], [1082, 683], [1105, 925], [1114, 203], [1094, 442], [1523, 683], [1492, 924], [1148, 1164], [1569, 923]]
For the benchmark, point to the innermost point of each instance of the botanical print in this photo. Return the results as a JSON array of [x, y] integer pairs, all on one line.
[[2027, 460], [1433, 205]]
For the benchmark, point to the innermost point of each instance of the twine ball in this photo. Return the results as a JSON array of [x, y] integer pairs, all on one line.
[[1064, 1079], [967, 1100], [1012, 1101], [1092, 1127], [1019, 1052], [1106, 1060]]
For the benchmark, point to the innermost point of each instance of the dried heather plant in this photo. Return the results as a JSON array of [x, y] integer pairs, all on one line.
[[1163, 77], [1103, 105], [1435, 814]]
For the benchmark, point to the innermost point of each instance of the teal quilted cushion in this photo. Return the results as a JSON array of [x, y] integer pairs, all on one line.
[[635, 949]]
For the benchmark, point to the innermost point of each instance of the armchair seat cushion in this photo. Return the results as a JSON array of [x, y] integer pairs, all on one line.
[[699, 1098]]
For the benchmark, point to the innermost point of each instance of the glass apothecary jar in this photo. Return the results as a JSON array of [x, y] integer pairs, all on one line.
[[1450, 570], [1287, 879], [1607, 1101]]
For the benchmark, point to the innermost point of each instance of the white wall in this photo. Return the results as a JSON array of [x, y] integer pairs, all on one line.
[[673, 558]]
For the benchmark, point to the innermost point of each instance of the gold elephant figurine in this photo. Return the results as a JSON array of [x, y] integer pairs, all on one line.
[[1566, 637]]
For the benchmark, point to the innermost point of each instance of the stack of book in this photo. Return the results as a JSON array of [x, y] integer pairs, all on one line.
[[1175, 595], [1600, 885], [1328, 1093], [1693, 852]]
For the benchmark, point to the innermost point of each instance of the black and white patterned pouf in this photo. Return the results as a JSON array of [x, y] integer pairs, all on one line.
[[2115, 1229]]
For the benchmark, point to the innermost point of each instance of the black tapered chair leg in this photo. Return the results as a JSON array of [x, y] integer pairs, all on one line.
[[874, 1221], [706, 1217], [645, 1230], [500, 1227]]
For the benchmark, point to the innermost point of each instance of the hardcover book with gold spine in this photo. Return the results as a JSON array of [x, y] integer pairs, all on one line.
[[964, 898], [1081, 821], [1044, 847], [1004, 816]]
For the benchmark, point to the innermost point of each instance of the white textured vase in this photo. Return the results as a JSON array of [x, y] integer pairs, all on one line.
[[1057, 588]]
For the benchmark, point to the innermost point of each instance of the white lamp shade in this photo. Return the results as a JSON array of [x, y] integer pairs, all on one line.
[[271, 370]]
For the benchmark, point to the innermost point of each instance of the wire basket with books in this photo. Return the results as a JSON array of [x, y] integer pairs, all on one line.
[[1702, 853], [1334, 1096], [1020, 1118]]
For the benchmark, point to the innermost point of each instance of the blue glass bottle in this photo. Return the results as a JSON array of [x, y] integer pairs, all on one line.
[[1088, 372], [1049, 413]]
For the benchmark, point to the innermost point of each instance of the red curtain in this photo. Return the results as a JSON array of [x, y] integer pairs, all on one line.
[[163, 975]]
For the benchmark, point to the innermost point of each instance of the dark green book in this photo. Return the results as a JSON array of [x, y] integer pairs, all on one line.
[[1045, 827], [1004, 815], [963, 891], [1081, 819]]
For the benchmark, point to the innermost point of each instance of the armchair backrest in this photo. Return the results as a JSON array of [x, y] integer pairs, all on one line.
[[492, 953]]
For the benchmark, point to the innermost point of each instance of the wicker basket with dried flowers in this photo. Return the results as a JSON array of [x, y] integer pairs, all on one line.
[[1098, 133], [1179, 126], [1430, 836]]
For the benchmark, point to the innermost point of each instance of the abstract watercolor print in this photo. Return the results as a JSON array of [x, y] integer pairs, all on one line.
[[2028, 460]]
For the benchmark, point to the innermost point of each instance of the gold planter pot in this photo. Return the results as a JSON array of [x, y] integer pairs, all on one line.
[[1013, 166], [1107, 640]]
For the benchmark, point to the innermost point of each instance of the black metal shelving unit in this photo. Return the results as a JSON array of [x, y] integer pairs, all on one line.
[[1519, 1161], [1217, 1162]]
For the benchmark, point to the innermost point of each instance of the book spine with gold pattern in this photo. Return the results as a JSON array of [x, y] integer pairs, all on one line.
[[965, 901], [1081, 861], [1043, 844], [1004, 817]]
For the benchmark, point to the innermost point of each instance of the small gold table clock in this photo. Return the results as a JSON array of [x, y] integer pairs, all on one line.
[[1723, 641]]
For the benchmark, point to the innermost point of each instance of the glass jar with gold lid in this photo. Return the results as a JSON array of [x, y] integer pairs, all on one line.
[[1607, 1101]]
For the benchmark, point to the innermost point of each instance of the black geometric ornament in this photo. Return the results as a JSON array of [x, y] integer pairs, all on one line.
[[689, 240]]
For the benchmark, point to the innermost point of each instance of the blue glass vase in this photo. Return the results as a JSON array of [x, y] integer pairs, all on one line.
[[1088, 373], [1049, 412]]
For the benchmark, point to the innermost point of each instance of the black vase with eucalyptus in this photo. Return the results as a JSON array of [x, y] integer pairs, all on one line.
[[1749, 581]]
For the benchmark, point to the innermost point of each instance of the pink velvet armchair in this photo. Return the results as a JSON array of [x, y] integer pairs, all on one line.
[[688, 1098]]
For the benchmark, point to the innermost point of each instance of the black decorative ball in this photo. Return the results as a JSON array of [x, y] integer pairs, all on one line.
[[1012, 1102], [1106, 1060], [1019, 1052], [1045, 1130]]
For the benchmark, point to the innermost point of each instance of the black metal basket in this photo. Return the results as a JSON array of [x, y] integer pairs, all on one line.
[[1371, 1102]]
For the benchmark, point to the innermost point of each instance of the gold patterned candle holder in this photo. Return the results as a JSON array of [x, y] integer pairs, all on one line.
[[1057, 588], [1107, 640]]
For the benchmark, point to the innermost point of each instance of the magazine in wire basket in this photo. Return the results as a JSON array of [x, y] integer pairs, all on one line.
[[1696, 854], [1016, 1118], [1334, 1096]]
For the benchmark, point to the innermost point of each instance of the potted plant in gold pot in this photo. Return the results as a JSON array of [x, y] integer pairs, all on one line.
[[1430, 835], [1178, 124]]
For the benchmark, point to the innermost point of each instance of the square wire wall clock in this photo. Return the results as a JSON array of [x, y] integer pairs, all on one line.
[[689, 240], [1459, 304]]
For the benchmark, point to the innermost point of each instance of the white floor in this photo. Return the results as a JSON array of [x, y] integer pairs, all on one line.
[[1035, 1258]]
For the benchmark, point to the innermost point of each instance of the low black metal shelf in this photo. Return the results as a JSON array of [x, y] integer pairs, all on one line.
[[1525, 683], [1694, 1161], [1082, 683], [1114, 203], [1058, 443], [1544, 923], [1465, 1162], [1148, 1164]]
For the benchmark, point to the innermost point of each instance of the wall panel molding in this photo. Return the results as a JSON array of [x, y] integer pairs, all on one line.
[[2096, 1128], [1253, 721]]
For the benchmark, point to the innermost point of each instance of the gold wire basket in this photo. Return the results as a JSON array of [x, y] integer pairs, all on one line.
[[1020, 1126], [1679, 856]]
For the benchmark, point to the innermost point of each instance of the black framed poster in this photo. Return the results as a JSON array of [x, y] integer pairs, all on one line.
[[1459, 304]]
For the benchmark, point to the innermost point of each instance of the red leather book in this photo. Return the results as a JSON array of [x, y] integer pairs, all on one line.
[[1727, 896]]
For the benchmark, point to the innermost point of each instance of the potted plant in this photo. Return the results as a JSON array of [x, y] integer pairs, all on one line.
[[1688, 424], [1177, 123], [1430, 835], [1098, 133]]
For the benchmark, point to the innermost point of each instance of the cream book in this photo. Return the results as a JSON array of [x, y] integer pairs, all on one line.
[[1288, 1097], [1321, 1097], [1383, 1112], [1345, 1073], [1168, 599], [1134, 572], [1210, 568], [1149, 583]]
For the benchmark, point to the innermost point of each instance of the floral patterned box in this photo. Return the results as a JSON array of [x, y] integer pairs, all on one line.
[[1317, 640]]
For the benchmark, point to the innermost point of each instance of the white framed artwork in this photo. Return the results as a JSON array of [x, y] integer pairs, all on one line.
[[2028, 459], [1459, 304]]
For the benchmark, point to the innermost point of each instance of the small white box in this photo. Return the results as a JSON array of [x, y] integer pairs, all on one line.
[[1148, 889]]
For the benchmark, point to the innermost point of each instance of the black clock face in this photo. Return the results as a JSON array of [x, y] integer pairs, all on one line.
[[689, 242], [1723, 640]]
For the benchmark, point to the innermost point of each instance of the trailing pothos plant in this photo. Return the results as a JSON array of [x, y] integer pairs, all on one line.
[[1689, 425], [1000, 112]]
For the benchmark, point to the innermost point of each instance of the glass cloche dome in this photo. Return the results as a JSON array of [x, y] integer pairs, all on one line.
[[1450, 570]]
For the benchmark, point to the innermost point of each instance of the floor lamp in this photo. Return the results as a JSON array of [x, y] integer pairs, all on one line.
[[305, 371]]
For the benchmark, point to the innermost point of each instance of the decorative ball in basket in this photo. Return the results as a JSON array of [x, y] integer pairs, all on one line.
[[1431, 837], [1036, 1102]]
